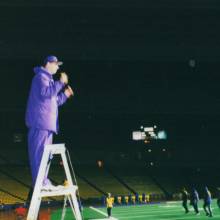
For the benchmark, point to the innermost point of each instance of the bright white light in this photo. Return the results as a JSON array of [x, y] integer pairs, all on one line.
[[148, 129], [152, 134], [162, 135], [138, 135]]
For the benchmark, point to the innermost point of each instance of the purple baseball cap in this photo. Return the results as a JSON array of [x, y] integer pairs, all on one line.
[[53, 59]]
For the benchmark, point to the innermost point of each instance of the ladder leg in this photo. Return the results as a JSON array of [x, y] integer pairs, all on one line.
[[37, 208], [48, 166], [36, 199], [72, 206], [34, 209], [75, 206], [64, 208]]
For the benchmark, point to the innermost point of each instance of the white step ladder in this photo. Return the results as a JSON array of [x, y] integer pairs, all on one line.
[[68, 191]]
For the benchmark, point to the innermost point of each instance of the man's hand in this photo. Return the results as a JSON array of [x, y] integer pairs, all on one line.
[[63, 78], [68, 92]]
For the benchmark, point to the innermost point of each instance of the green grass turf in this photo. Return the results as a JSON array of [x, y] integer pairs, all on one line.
[[164, 211], [87, 214]]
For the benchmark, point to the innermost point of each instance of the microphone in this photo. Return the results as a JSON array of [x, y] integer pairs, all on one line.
[[67, 86]]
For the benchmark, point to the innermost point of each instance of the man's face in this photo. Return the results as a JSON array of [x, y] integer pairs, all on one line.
[[53, 67]]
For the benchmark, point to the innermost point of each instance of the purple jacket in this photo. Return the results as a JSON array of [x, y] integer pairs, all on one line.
[[44, 98]]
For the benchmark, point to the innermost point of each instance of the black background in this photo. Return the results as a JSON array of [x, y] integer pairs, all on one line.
[[129, 65]]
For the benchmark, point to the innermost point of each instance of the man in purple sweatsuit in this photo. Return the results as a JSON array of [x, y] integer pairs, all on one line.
[[42, 109]]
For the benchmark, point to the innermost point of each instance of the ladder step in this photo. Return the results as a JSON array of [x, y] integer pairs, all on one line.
[[60, 191]]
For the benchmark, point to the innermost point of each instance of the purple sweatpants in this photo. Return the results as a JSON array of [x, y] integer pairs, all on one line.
[[36, 141]]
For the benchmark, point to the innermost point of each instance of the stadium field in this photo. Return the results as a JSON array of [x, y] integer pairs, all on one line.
[[163, 211]]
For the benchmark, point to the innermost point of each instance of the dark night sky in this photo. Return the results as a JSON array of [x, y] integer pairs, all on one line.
[[128, 62]]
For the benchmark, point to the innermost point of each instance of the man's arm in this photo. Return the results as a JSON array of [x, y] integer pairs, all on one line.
[[63, 96], [49, 90]]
